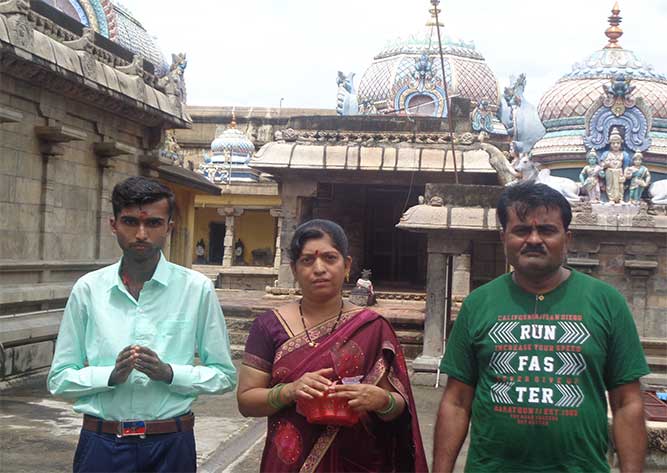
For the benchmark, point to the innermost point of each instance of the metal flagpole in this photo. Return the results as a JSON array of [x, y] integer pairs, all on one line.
[[435, 11]]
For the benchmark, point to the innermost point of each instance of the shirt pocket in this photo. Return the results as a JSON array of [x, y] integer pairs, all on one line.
[[176, 337]]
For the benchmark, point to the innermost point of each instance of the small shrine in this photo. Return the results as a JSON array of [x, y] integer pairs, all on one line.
[[228, 162]]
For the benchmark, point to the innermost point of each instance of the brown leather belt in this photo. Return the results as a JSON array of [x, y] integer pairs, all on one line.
[[183, 423]]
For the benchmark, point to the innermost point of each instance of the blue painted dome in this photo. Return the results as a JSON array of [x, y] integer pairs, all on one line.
[[231, 150], [115, 22], [406, 76], [233, 141]]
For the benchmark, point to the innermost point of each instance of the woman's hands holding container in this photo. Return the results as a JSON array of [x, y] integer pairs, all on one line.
[[362, 397], [309, 386]]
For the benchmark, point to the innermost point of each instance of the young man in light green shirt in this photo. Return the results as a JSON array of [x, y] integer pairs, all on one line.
[[126, 346]]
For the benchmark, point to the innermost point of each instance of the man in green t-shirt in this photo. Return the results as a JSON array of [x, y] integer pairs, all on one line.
[[533, 353]]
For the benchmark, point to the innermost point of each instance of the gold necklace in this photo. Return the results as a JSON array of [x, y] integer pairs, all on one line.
[[311, 343]]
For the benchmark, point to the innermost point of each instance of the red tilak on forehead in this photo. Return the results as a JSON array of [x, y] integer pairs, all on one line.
[[534, 222], [143, 213], [317, 253]]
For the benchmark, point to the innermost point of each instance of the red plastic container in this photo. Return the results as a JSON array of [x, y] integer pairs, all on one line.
[[327, 410]]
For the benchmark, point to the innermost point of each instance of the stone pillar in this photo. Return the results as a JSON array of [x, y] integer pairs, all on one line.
[[279, 228], [230, 213], [440, 246], [292, 193], [52, 138], [639, 272], [103, 203], [461, 276], [104, 151], [436, 308]]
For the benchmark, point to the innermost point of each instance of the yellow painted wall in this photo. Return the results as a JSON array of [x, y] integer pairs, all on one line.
[[178, 251], [256, 229], [203, 217]]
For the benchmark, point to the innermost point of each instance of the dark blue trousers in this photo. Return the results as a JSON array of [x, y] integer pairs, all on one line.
[[156, 453]]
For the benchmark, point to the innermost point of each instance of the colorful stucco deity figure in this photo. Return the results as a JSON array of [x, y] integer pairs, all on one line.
[[639, 177], [347, 97], [590, 176], [520, 117], [613, 161]]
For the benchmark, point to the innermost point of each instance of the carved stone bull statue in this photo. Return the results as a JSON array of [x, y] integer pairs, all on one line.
[[530, 171], [658, 192]]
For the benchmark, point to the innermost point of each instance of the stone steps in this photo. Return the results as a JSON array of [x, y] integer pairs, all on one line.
[[407, 323], [655, 350], [657, 364], [655, 347], [654, 382]]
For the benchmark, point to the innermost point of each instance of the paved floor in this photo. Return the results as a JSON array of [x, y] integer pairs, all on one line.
[[39, 432]]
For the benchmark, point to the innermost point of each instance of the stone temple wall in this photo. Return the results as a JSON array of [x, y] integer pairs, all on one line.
[[57, 207], [77, 116], [54, 212], [636, 264]]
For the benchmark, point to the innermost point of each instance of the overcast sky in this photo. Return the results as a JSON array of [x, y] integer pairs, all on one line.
[[253, 53]]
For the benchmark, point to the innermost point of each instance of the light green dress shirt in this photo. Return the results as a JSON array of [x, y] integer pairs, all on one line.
[[177, 312]]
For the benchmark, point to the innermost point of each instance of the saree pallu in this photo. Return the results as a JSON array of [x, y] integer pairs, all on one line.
[[363, 344]]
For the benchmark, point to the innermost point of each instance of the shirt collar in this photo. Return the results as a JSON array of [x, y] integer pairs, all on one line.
[[161, 274], [162, 271]]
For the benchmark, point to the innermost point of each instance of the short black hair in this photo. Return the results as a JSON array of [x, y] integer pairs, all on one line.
[[316, 229], [138, 190], [527, 196]]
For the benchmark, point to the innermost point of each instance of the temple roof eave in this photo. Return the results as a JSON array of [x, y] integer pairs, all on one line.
[[78, 65], [276, 156], [187, 178], [429, 218]]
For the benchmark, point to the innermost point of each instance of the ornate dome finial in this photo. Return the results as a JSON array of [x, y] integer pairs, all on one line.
[[432, 11], [232, 124], [614, 31]]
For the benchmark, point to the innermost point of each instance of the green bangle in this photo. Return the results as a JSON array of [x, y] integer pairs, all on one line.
[[273, 397], [390, 408]]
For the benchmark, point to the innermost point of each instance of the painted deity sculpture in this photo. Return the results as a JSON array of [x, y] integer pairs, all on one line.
[[520, 117], [590, 177], [613, 161], [346, 103], [639, 177]]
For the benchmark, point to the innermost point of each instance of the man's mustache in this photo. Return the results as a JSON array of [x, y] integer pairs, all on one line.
[[533, 249]]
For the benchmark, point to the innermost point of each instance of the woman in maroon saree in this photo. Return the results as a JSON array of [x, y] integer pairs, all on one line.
[[301, 350]]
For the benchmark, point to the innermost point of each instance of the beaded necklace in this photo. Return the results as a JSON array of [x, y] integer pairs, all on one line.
[[311, 343]]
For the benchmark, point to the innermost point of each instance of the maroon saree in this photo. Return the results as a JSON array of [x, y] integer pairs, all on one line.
[[363, 344]]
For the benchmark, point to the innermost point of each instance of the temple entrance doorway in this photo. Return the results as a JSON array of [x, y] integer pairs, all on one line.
[[216, 242], [396, 257]]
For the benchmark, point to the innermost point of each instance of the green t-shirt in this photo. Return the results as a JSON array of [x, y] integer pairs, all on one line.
[[541, 365]]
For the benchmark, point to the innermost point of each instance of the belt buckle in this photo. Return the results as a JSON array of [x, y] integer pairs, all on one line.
[[132, 428]]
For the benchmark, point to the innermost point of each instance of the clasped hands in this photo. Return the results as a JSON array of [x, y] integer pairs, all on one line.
[[362, 397], [142, 359]]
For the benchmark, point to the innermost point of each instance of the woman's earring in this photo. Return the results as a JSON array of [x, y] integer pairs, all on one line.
[[347, 277]]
